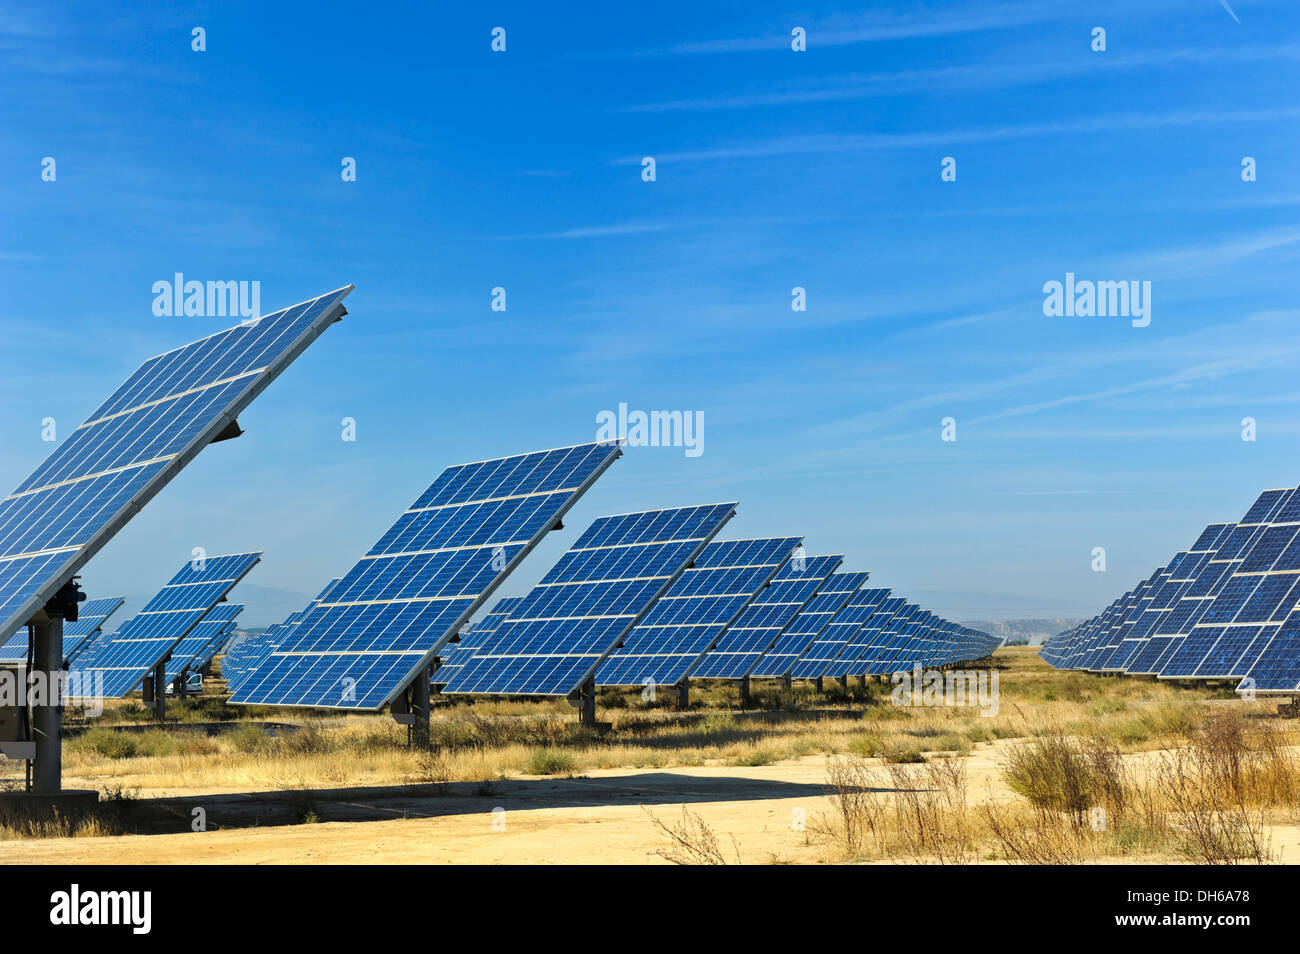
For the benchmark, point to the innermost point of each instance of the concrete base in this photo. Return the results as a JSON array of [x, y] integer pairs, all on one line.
[[70, 801]]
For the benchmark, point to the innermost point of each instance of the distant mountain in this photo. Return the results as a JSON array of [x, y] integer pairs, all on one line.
[[952, 604], [1020, 631]]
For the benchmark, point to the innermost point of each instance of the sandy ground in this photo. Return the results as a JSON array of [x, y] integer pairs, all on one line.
[[598, 818]]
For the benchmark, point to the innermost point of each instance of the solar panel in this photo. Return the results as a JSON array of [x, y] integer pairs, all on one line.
[[91, 616], [209, 652], [1277, 666], [138, 440], [662, 649], [872, 641], [394, 610], [144, 640], [588, 602], [814, 662], [453, 656], [762, 622], [1217, 638], [1126, 637], [249, 654], [807, 623], [895, 644], [214, 625]]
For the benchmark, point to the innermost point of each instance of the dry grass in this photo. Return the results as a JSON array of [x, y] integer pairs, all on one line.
[[1176, 772]]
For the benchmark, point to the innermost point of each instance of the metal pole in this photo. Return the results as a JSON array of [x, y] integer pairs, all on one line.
[[420, 708], [47, 771], [587, 714], [160, 692]]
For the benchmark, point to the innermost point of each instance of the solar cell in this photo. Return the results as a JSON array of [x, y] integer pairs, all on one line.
[[138, 440], [688, 619], [588, 601], [144, 640], [762, 622], [391, 614]]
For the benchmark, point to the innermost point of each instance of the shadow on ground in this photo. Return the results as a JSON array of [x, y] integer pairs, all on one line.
[[296, 806]]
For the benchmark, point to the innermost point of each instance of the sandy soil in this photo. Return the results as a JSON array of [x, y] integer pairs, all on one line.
[[599, 818]]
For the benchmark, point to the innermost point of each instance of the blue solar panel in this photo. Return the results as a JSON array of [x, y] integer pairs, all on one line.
[[144, 640], [393, 611], [453, 656], [1128, 636], [1277, 666], [687, 620], [138, 440], [91, 616], [247, 655], [872, 640], [762, 622], [817, 659], [210, 630], [807, 623], [898, 637], [1218, 639], [588, 602]]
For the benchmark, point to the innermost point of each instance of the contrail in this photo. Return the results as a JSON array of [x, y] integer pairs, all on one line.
[[1224, 4]]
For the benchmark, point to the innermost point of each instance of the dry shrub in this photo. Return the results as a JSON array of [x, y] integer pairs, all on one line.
[[930, 816], [859, 809], [1036, 837], [693, 841], [1220, 785], [1060, 774]]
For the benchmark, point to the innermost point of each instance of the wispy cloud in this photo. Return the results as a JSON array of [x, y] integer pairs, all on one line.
[[993, 74], [878, 26], [831, 143]]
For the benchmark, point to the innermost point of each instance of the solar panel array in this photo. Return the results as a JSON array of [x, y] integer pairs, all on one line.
[[763, 622], [196, 649], [876, 634], [453, 656], [393, 611], [689, 618], [808, 623], [247, 655], [91, 616], [1226, 608], [133, 444], [121, 663], [587, 603]]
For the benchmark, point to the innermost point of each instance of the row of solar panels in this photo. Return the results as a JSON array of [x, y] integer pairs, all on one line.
[[1226, 608], [648, 598], [368, 636], [186, 639]]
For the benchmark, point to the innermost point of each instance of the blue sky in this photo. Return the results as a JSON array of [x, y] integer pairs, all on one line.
[[775, 169]]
